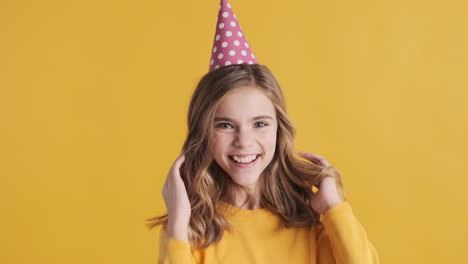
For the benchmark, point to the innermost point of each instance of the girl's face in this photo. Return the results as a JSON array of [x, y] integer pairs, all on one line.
[[245, 129]]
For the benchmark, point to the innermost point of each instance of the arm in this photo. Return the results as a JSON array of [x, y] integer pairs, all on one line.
[[174, 250], [341, 239], [174, 246]]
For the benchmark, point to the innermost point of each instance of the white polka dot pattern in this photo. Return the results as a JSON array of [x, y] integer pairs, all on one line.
[[227, 47]]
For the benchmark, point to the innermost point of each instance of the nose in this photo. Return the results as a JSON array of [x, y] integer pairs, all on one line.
[[244, 138]]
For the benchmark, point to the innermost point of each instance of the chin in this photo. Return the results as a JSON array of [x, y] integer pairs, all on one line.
[[245, 180]]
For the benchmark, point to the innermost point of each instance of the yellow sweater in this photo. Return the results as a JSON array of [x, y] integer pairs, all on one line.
[[258, 237]]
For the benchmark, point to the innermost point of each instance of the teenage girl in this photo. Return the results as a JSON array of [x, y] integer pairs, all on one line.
[[238, 194]]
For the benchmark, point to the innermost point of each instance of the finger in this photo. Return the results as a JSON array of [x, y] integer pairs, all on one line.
[[309, 155], [180, 159], [315, 158], [175, 169], [319, 158]]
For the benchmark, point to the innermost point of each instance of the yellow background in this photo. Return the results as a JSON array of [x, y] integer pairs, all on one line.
[[94, 96]]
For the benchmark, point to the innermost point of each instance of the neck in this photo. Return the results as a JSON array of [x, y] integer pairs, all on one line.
[[238, 198]]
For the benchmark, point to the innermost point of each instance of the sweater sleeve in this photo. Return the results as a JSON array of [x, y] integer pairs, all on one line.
[[341, 239], [174, 251]]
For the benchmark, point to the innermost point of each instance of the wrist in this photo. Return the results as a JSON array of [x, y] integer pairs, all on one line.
[[177, 231], [332, 204]]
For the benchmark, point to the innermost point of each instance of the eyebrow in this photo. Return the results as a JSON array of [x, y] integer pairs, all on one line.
[[253, 119]]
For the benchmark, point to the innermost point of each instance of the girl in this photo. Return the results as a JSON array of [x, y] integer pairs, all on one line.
[[238, 194]]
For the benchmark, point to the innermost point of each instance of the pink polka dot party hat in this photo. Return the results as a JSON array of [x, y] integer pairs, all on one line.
[[230, 44]]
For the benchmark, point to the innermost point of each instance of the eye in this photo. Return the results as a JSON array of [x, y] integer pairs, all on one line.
[[264, 124], [223, 125]]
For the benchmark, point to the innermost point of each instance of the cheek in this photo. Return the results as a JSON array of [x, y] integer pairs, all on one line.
[[271, 143], [268, 139], [220, 143]]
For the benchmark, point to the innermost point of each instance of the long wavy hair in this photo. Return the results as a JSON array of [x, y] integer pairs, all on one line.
[[285, 185]]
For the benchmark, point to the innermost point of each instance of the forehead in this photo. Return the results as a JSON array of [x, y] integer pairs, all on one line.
[[244, 102]]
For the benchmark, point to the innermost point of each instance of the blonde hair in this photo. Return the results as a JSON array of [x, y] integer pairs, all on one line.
[[286, 183]]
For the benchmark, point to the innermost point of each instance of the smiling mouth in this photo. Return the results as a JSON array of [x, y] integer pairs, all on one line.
[[244, 160]]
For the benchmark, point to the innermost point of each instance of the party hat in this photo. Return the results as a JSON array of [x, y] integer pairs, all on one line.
[[230, 44]]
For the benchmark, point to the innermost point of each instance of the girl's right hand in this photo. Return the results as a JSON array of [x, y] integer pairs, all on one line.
[[177, 202]]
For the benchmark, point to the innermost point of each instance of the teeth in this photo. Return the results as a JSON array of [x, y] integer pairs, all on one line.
[[244, 159]]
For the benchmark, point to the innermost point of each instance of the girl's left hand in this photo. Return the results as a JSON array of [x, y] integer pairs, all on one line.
[[327, 196]]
